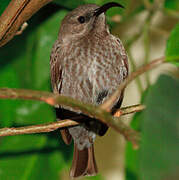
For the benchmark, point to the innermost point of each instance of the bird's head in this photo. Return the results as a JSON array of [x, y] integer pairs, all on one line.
[[83, 20]]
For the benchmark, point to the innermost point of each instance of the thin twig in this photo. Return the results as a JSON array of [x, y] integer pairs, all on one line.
[[146, 41], [48, 127], [15, 15], [134, 38], [99, 112], [160, 31], [131, 109], [88, 109], [138, 81], [22, 28], [147, 4], [170, 12]]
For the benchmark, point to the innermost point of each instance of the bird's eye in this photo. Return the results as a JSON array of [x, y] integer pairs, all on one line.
[[81, 19]]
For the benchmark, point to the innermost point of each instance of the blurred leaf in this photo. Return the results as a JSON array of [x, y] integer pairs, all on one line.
[[159, 146], [24, 63], [172, 50], [74, 4], [136, 11], [31, 157], [8, 78], [115, 10], [151, 158], [3, 5], [29, 69], [70, 4], [17, 156], [173, 5]]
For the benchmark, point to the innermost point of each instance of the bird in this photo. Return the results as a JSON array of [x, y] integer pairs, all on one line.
[[87, 63]]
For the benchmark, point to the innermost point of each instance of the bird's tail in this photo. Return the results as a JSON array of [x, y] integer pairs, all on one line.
[[84, 163]]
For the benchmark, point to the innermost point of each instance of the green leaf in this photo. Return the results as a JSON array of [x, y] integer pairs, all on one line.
[[159, 145], [172, 49], [17, 156], [3, 5], [70, 4], [172, 5], [149, 162], [115, 10], [97, 177], [24, 63], [8, 79], [74, 4], [31, 157]]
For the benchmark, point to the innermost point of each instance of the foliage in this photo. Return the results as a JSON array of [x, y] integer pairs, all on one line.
[[3, 5], [158, 153], [172, 49], [24, 63], [157, 157]]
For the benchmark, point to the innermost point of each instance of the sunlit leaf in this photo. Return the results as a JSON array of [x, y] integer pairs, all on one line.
[[172, 49], [173, 5]]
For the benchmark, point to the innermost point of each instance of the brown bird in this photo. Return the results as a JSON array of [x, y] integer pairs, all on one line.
[[87, 63]]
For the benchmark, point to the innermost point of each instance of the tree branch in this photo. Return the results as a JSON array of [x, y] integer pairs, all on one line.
[[101, 112], [88, 109], [48, 127], [15, 15], [130, 109]]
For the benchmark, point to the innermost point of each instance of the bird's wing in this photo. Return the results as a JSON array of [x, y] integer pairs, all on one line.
[[124, 59], [125, 73], [55, 68], [56, 81]]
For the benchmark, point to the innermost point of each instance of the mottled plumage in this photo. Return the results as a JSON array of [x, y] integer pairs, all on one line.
[[87, 63]]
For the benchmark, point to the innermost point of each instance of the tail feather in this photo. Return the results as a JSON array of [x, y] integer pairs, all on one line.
[[84, 163]]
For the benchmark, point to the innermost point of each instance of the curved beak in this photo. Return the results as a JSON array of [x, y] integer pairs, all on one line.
[[105, 7]]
